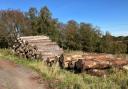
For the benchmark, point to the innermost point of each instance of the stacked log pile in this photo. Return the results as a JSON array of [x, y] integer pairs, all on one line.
[[96, 64], [24, 49], [36, 47], [41, 47]]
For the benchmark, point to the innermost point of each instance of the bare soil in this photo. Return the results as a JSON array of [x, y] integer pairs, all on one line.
[[13, 76]]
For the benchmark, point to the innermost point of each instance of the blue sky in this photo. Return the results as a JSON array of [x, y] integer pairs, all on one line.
[[109, 15]]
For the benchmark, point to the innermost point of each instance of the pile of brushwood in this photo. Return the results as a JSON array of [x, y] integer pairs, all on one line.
[[94, 64]]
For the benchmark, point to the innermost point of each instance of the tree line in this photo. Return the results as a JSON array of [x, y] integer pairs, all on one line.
[[71, 35]]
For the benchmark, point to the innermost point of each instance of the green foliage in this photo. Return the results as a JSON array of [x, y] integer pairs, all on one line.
[[89, 37], [71, 36], [32, 15], [106, 44]]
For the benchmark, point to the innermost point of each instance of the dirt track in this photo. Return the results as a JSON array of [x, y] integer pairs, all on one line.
[[13, 76]]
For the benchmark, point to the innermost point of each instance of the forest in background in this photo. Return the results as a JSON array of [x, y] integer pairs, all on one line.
[[71, 35]]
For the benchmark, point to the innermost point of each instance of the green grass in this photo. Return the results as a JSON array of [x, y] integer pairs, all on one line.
[[62, 79]]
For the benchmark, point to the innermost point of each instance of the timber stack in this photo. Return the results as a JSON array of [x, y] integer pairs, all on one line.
[[41, 47], [36, 47], [92, 63]]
